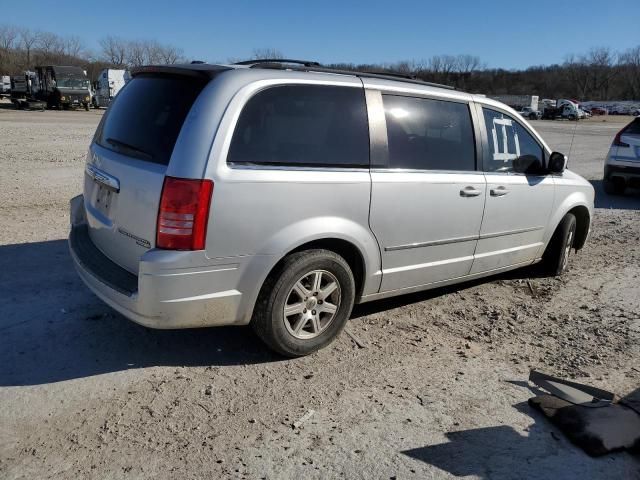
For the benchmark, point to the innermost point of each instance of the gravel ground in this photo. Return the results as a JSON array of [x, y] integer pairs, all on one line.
[[438, 391]]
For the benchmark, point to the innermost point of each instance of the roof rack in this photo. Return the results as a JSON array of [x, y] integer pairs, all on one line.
[[277, 64], [278, 61]]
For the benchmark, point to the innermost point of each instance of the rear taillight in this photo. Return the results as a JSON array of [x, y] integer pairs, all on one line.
[[183, 214], [617, 142]]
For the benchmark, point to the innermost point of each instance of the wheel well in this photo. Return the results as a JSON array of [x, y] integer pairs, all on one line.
[[346, 250], [582, 225]]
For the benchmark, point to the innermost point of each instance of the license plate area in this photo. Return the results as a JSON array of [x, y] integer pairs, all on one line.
[[104, 199]]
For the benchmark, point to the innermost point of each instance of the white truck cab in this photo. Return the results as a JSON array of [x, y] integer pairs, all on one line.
[[109, 83]]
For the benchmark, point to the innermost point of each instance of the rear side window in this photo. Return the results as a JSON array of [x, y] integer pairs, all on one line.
[[633, 128], [303, 125], [146, 116], [508, 141], [425, 134]]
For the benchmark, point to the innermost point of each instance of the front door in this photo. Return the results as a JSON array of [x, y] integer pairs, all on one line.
[[427, 199], [518, 205]]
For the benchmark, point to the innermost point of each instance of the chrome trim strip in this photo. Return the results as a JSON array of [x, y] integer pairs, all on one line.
[[103, 178], [431, 244], [460, 239], [510, 232]]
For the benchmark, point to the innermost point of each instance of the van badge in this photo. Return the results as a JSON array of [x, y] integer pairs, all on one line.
[[140, 241]]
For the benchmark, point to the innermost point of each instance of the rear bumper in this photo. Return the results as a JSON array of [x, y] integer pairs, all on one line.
[[630, 173], [169, 291]]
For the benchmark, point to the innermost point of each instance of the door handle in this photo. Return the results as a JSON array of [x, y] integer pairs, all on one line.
[[470, 192], [499, 192]]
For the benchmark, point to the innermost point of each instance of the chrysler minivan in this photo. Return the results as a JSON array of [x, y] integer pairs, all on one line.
[[278, 194]]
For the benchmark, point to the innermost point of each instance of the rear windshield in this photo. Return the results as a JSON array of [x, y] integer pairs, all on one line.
[[633, 128], [146, 116]]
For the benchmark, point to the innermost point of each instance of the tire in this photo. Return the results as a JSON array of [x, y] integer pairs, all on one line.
[[613, 186], [533, 117], [556, 256], [303, 332]]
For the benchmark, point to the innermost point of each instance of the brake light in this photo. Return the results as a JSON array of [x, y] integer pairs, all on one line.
[[183, 214], [617, 142]]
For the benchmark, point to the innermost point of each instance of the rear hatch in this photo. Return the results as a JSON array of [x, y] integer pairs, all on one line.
[[629, 149], [128, 159]]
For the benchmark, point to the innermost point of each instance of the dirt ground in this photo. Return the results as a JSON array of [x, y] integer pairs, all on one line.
[[439, 391]]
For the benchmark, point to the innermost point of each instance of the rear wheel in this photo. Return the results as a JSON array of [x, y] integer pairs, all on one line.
[[614, 186], [556, 256], [305, 303]]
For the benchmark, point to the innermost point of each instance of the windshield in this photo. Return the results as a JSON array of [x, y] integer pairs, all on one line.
[[72, 82]]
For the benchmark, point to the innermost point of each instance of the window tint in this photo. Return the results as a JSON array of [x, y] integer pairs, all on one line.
[[429, 134], [508, 142], [146, 116], [303, 126], [633, 128]]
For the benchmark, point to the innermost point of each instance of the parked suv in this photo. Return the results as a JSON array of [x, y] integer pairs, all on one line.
[[278, 195], [622, 166]]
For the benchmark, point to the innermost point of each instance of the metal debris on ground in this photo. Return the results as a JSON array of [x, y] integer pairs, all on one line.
[[298, 423], [355, 339], [597, 421]]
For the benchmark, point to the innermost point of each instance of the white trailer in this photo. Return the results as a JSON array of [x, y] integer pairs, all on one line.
[[109, 83], [5, 84], [518, 101]]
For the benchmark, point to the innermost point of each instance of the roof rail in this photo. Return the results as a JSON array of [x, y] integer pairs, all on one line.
[[357, 73], [256, 63]]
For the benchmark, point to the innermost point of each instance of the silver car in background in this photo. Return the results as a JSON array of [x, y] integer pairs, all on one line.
[[280, 194], [622, 166]]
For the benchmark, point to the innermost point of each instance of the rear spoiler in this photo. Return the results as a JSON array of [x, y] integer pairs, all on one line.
[[191, 70]]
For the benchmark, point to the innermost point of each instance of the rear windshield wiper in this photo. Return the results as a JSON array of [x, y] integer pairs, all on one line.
[[130, 148]]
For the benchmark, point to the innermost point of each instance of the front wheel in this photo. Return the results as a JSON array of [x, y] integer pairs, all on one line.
[[556, 256], [304, 305]]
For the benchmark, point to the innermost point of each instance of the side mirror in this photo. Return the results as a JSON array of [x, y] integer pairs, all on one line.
[[557, 162], [527, 164]]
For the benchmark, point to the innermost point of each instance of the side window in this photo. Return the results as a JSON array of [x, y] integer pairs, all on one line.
[[303, 125], [511, 146], [427, 134]]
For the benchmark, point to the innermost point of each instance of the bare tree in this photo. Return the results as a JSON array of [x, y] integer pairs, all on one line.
[[630, 72], [114, 50], [28, 39], [170, 54], [73, 46], [266, 53], [8, 37], [49, 45]]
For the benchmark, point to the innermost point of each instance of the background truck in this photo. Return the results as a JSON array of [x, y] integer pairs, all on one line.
[[563, 108], [109, 83], [23, 91], [5, 85], [63, 87], [518, 102]]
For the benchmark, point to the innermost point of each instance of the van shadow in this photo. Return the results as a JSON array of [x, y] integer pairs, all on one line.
[[629, 201], [502, 452], [52, 328]]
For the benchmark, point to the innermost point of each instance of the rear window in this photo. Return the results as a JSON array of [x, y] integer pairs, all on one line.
[[146, 116], [633, 128], [310, 125]]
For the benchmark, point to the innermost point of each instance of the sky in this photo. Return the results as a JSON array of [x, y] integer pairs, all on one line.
[[510, 34]]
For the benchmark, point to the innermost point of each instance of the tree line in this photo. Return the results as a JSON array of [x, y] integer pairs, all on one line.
[[599, 74]]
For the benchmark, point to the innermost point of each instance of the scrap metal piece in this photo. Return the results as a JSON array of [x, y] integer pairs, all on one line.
[[573, 392]]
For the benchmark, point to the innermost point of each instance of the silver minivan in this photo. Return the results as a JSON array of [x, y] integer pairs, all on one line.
[[278, 194]]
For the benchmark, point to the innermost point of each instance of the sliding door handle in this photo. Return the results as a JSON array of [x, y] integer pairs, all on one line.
[[470, 192], [498, 191]]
